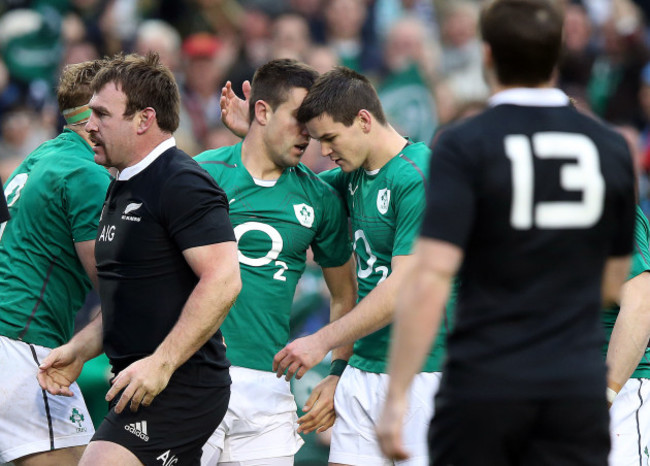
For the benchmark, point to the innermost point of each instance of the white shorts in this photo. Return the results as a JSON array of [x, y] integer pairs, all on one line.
[[629, 424], [32, 420], [358, 401], [261, 420]]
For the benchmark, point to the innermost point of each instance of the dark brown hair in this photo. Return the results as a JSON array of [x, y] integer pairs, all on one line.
[[146, 83], [525, 37], [274, 80], [341, 93]]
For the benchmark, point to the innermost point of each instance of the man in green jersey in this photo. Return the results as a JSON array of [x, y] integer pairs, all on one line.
[[628, 357], [47, 267], [279, 209], [381, 177]]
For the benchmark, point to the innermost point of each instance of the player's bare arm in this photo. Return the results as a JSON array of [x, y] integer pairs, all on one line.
[[631, 331], [63, 365], [319, 407], [217, 268], [375, 311], [420, 308], [614, 275]]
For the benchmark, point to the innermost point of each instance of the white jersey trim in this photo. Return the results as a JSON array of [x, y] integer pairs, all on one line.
[[530, 97], [264, 183]]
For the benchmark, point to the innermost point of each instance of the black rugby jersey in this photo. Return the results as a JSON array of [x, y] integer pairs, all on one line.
[[144, 281], [538, 196]]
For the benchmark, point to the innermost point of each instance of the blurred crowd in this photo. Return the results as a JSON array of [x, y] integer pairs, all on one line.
[[424, 57]]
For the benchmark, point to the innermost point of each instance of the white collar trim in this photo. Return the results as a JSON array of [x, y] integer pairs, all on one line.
[[130, 172], [530, 97], [264, 183]]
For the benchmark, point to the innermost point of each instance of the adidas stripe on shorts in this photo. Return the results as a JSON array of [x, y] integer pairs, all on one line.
[[175, 426]]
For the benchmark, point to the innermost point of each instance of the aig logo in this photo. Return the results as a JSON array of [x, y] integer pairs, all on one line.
[[108, 233], [168, 459]]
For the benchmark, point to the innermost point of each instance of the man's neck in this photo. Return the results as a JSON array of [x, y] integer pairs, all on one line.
[[145, 146], [497, 87], [256, 159], [386, 144]]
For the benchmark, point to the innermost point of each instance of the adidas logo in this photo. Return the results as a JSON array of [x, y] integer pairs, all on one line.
[[139, 429]]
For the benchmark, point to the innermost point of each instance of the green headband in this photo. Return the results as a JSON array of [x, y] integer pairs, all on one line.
[[76, 115]]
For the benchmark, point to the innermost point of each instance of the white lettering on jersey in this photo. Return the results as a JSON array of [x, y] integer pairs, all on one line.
[[580, 173], [271, 255], [108, 233], [274, 235]]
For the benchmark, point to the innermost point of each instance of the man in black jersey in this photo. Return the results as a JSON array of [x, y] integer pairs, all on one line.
[[168, 274], [532, 203]]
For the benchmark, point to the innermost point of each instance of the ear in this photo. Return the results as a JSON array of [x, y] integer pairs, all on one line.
[[364, 119], [262, 112], [488, 59], [146, 119]]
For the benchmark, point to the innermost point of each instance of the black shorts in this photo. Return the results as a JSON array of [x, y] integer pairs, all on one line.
[[176, 425], [533, 433]]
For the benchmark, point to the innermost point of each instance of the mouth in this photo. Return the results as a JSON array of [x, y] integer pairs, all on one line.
[[301, 147]]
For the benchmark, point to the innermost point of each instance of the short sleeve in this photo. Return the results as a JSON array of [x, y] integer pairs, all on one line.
[[331, 245], [450, 197], [85, 192], [195, 210], [336, 178], [409, 199], [641, 255]]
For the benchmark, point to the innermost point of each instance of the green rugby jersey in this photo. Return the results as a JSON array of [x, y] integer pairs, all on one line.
[[386, 207], [640, 264], [274, 227], [55, 198]]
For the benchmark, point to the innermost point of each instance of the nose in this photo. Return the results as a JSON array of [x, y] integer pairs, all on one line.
[[90, 124], [325, 149]]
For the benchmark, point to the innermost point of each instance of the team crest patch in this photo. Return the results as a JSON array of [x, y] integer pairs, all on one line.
[[383, 200], [304, 214]]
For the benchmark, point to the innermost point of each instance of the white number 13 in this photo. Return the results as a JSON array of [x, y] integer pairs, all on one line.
[[584, 175]]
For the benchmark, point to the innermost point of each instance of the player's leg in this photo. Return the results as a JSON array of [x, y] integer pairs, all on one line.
[[570, 432], [171, 431], [279, 461], [37, 428], [630, 424], [261, 423], [101, 452], [480, 432], [68, 456], [358, 401]]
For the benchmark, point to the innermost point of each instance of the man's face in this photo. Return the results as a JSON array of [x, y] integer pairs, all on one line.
[[284, 137], [344, 145], [112, 134]]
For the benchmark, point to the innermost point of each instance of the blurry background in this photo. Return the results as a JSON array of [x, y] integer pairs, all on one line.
[[424, 57]]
